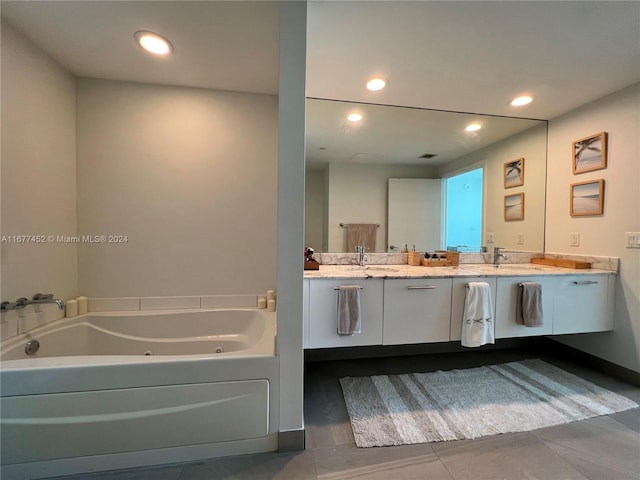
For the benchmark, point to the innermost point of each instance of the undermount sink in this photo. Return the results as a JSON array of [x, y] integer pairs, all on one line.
[[517, 266], [374, 268]]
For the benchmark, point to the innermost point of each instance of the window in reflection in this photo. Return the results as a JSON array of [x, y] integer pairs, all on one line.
[[463, 211]]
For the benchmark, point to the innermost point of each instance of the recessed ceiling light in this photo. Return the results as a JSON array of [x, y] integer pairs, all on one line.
[[473, 127], [520, 101], [354, 117], [376, 84], [153, 43]]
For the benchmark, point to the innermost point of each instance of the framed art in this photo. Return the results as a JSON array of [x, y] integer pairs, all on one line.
[[587, 198], [514, 207], [514, 173], [590, 153]]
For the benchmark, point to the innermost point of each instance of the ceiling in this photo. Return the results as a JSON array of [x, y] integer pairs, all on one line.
[[219, 45], [474, 56], [465, 56]]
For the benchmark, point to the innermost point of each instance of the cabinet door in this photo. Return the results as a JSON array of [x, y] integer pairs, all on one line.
[[458, 296], [323, 313], [416, 311], [506, 296], [305, 312], [583, 303]]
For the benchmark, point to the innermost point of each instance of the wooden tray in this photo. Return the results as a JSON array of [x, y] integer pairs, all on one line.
[[427, 262], [452, 260], [311, 265], [556, 262]]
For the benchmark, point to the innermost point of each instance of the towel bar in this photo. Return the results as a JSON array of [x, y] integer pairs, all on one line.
[[346, 225], [338, 288]]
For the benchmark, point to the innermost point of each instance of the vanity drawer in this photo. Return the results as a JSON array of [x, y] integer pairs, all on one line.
[[323, 314], [458, 298], [506, 296], [583, 303], [416, 311]]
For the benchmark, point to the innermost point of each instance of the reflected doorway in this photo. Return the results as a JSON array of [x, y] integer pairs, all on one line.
[[463, 211]]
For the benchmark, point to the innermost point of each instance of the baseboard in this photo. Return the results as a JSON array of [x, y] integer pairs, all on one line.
[[291, 440], [553, 347]]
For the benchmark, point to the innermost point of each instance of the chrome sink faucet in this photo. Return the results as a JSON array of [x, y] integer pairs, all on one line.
[[37, 299], [497, 254], [362, 257]]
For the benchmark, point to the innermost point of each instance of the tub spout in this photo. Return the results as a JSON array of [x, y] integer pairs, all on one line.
[[47, 298], [38, 298]]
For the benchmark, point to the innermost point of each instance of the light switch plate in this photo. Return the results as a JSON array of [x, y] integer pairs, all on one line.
[[490, 238], [574, 239], [520, 239], [632, 239]]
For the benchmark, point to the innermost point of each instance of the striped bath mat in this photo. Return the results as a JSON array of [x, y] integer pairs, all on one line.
[[431, 407]]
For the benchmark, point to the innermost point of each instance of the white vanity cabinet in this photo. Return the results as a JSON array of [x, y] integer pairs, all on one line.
[[402, 311], [583, 303], [323, 314], [416, 310], [305, 312], [458, 298], [506, 296]]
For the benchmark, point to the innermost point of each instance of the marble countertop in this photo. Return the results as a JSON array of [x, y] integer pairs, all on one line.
[[463, 270]]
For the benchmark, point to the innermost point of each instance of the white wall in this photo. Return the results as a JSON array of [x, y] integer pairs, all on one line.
[[314, 213], [189, 176], [358, 194], [619, 115], [291, 138], [38, 170], [530, 144]]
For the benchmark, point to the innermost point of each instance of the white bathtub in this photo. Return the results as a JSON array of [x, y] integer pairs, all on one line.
[[107, 390]]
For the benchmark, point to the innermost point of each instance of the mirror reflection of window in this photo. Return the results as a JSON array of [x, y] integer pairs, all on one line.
[[463, 211]]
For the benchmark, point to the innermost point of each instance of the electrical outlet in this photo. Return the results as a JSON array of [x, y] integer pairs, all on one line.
[[633, 239], [574, 240], [520, 239], [490, 237]]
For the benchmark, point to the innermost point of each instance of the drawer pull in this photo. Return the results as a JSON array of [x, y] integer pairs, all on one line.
[[421, 287], [338, 288], [585, 282]]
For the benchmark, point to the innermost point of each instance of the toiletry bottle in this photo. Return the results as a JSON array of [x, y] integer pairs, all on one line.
[[271, 305]]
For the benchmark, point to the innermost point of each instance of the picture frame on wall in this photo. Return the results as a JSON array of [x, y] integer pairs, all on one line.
[[514, 207], [587, 198], [590, 153], [514, 173]]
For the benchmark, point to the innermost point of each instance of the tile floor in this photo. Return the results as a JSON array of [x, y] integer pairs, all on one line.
[[602, 448]]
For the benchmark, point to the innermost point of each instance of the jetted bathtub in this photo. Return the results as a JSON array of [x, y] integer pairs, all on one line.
[[114, 390]]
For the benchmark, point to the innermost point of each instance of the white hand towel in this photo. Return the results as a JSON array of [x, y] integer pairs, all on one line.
[[349, 319], [477, 321]]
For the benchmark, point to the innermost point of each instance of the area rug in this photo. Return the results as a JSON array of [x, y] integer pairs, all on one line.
[[521, 396]]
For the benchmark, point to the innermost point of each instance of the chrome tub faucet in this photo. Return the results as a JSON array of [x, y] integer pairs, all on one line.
[[37, 299]]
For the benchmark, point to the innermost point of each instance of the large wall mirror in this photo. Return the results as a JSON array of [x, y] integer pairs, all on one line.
[[382, 167]]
